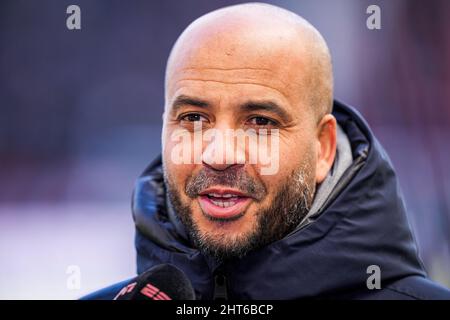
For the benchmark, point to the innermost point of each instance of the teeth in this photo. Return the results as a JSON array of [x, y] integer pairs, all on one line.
[[216, 195], [223, 204]]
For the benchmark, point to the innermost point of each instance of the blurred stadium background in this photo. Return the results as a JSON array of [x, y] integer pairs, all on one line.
[[80, 118]]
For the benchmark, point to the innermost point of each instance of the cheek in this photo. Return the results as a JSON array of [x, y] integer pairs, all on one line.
[[294, 153], [176, 169]]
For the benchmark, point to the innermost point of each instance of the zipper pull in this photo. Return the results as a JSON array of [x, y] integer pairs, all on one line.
[[220, 286]]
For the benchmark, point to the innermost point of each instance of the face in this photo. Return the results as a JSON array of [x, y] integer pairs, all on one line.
[[229, 206]]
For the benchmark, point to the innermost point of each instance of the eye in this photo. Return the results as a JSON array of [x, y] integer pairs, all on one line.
[[261, 121], [193, 117]]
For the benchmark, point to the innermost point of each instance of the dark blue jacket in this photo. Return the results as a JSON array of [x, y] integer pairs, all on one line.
[[362, 223]]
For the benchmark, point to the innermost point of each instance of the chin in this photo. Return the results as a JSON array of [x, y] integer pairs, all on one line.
[[224, 232]]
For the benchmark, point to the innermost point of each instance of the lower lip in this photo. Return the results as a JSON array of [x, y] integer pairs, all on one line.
[[218, 212]]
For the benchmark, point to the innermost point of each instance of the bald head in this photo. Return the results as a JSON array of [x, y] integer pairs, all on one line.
[[279, 45]]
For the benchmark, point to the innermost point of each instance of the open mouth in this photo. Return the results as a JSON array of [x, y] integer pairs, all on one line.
[[223, 203]]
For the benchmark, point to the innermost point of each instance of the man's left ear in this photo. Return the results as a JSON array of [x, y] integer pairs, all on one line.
[[326, 146]]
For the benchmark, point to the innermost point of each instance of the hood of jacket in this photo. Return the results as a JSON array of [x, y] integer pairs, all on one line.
[[359, 221]]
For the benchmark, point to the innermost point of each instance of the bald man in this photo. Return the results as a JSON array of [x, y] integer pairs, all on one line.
[[267, 188]]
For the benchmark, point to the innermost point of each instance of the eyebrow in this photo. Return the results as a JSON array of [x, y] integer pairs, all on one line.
[[184, 100], [249, 106], [268, 106]]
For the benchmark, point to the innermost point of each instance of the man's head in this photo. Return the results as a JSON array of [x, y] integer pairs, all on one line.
[[247, 67]]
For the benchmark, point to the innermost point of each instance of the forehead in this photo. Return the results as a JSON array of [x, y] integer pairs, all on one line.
[[229, 84], [234, 85], [267, 63]]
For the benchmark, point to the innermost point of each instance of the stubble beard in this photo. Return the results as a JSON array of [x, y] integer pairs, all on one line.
[[289, 207]]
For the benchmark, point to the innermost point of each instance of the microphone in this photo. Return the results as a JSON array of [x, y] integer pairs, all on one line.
[[161, 282]]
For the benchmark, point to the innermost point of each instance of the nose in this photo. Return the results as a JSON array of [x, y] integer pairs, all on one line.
[[220, 153], [220, 167]]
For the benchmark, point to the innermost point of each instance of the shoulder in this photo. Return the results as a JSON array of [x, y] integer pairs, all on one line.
[[420, 288], [107, 293], [408, 288]]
